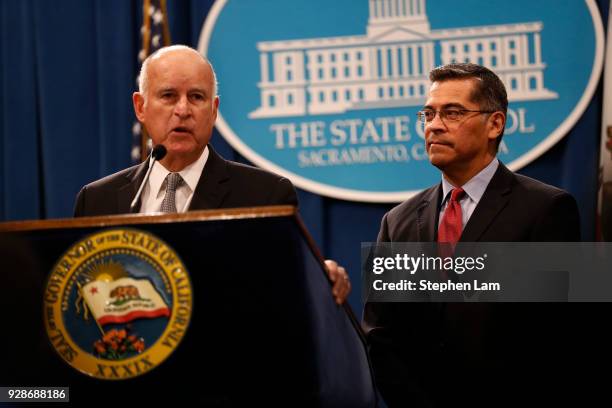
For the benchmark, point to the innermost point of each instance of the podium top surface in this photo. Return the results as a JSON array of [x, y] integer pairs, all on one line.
[[151, 218]]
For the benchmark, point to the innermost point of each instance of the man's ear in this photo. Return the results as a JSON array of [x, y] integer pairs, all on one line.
[[215, 107], [497, 121], [138, 101]]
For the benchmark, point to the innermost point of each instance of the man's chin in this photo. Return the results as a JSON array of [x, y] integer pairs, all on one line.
[[438, 161], [181, 150], [182, 147]]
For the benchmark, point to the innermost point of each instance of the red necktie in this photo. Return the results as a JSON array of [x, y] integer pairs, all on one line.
[[452, 220]]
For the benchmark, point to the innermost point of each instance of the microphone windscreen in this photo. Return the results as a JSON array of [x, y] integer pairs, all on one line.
[[159, 151]]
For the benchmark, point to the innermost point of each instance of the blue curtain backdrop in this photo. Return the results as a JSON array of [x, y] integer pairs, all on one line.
[[67, 71]]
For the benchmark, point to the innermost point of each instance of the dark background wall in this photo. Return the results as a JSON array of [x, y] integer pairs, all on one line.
[[67, 72]]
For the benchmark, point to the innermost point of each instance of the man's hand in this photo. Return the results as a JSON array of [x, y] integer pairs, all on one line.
[[339, 277]]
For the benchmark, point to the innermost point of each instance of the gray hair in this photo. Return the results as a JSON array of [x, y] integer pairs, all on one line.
[[144, 69]]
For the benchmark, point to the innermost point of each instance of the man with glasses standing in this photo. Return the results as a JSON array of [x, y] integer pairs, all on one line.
[[438, 354]]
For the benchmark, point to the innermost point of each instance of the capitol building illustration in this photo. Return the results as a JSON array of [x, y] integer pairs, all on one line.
[[389, 65]]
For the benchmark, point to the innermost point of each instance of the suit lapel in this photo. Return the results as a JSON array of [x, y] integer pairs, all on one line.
[[212, 186], [493, 201], [427, 214], [126, 194]]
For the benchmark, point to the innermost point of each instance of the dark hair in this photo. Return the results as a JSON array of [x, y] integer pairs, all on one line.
[[489, 92]]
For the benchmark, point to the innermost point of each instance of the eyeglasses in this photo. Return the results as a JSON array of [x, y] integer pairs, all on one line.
[[450, 115]]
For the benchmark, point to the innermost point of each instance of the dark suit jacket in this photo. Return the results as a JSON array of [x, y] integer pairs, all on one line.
[[513, 208], [224, 184], [432, 354]]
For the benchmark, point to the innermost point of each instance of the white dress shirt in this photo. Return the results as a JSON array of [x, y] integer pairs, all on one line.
[[155, 189]]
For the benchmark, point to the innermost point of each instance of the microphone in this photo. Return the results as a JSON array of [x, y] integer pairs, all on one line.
[[158, 153]]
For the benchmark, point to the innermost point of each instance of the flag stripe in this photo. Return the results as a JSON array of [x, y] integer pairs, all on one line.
[[137, 314], [604, 203]]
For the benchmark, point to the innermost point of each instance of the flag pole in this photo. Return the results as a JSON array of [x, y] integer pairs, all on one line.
[[89, 307], [155, 34]]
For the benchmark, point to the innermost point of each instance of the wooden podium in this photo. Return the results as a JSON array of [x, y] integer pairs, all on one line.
[[263, 326]]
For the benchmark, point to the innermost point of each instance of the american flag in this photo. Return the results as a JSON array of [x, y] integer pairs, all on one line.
[[155, 34]]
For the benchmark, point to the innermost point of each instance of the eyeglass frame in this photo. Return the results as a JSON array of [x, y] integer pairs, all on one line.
[[442, 115]]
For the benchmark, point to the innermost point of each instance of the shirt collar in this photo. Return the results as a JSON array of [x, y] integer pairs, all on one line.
[[190, 174], [476, 186]]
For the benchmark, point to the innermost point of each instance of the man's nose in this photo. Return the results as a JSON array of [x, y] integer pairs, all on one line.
[[182, 108], [436, 124]]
